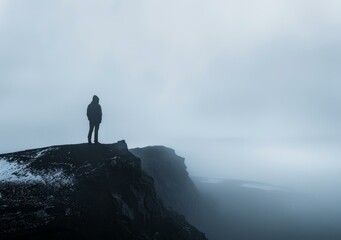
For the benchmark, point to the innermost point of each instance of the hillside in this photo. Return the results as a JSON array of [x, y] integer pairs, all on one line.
[[83, 192], [178, 192]]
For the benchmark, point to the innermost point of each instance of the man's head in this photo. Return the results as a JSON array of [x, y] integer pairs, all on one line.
[[95, 99]]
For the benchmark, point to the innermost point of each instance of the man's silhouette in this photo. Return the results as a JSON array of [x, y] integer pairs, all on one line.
[[94, 113]]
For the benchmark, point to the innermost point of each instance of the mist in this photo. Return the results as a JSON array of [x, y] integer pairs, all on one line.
[[244, 90]]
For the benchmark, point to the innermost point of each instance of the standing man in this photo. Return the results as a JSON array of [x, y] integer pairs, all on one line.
[[94, 113]]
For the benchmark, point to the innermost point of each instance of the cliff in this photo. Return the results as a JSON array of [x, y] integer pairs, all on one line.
[[178, 192], [171, 178], [83, 192]]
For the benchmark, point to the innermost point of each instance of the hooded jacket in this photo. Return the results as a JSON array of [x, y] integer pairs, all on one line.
[[94, 111]]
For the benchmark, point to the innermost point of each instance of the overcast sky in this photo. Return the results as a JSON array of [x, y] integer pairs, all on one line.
[[203, 77]]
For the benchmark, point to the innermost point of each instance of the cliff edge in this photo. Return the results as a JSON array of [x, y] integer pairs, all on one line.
[[83, 192]]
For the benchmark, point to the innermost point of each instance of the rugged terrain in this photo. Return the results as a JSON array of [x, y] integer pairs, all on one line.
[[83, 192], [178, 192], [171, 178]]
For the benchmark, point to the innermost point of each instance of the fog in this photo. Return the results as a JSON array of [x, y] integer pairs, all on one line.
[[243, 90]]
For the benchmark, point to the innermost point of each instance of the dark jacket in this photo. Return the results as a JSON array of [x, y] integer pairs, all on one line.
[[94, 111]]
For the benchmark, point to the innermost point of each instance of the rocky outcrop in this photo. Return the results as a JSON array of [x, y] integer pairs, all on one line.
[[83, 192], [172, 181], [178, 192]]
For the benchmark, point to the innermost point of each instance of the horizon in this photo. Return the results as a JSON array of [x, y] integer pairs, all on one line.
[[241, 89]]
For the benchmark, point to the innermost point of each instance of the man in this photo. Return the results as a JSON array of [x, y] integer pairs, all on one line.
[[94, 113]]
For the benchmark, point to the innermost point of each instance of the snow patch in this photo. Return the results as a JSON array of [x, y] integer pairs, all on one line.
[[57, 178], [14, 172], [41, 153], [20, 173]]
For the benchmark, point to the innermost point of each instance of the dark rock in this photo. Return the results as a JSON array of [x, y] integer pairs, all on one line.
[[178, 191], [171, 178], [83, 192]]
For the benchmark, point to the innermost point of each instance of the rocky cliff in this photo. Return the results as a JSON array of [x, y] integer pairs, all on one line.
[[171, 178], [178, 192], [174, 185], [83, 192]]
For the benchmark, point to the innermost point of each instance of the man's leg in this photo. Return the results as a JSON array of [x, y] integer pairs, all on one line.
[[91, 129], [96, 132]]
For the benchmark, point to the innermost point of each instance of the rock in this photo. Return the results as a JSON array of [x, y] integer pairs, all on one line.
[[177, 190], [83, 192]]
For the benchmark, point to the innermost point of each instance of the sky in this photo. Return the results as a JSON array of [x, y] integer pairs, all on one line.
[[242, 89]]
